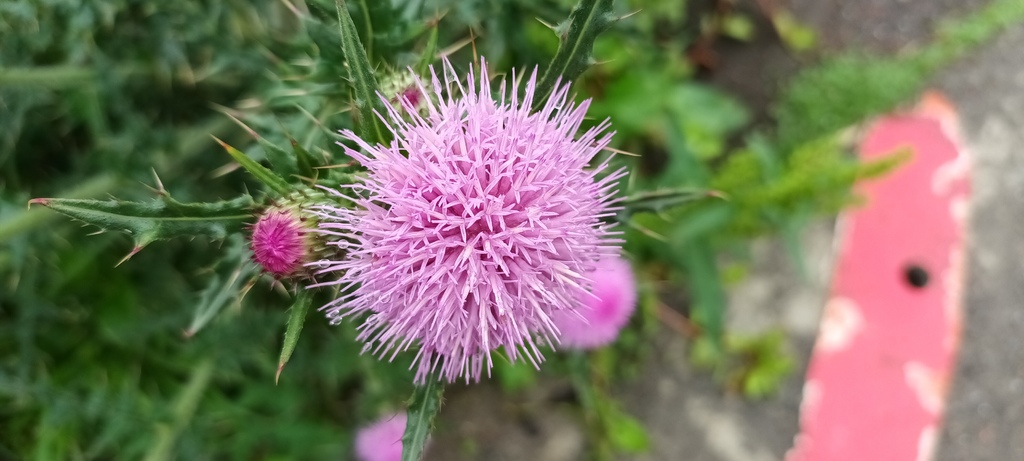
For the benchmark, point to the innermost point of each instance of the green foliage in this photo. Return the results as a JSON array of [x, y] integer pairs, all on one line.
[[850, 87], [360, 75], [576, 38], [260, 172], [426, 402], [296, 319], [753, 365], [842, 91]]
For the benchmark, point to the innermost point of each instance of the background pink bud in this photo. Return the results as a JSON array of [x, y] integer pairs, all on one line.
[[608, 306], [382, 440]]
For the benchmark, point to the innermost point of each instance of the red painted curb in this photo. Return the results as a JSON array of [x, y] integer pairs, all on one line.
[[877, 381]]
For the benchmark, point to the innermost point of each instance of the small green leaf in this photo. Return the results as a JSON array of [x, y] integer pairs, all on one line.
[[426, 402], [265, 176], [429, 53], [304, 160], [514, 376], [296, 319], [738, 26], [698, 259], [221, 286], [360, 74], [626, 433], [159, 219], [281, 161], [795, 35], [576, 44]]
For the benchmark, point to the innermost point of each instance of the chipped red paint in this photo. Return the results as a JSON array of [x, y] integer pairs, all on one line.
[[884, 356]]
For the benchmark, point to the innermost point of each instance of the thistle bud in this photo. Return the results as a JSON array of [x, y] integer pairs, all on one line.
[[283, 240]]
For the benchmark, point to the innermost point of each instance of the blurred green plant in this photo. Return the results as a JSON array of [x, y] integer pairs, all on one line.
[[179, 353]]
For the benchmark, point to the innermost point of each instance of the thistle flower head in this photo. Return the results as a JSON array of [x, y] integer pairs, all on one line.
[[279, 241], [382, 440], [473, 227], [608, 306]]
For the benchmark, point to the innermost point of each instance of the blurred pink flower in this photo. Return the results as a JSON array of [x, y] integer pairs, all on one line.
[[607, 307], [382, 440], [474, 227]]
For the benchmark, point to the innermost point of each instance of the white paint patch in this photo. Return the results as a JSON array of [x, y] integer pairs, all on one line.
[[927, 384], [950, 173], [953, 285], [926, 443], [840, 324]]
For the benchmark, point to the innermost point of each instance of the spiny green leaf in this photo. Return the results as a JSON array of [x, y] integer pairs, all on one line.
[[296, 319], [159, 219], [360, 74], [31, 219], [426, 401], [221, 286], [663, 199], [265, 176], [575, 51]]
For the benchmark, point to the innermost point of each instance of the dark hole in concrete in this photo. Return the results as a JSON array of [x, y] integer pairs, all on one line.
[[916, 276]]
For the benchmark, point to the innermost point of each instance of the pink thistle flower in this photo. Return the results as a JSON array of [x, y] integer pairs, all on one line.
[[278, 242], [382, 440], [473, 227], [609, 304]]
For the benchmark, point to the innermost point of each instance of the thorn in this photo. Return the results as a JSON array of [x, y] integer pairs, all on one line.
[[96, 233], [38, 201], [472, 41], [248, 286], [280, 367], [227, 168], [240, 124], [434, 21], [627, 16], [547, 24], [646, 231], [134, 251], [340, 165], [617, 151], [454, 47], [293, 9], [159, 185], [222, 143]]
